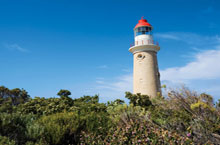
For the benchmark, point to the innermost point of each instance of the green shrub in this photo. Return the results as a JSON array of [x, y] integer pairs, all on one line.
[[60, 128], [182, 117], [133, 126], [6, 141], [14, 126]]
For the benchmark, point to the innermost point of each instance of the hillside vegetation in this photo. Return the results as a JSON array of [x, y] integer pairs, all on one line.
[[183, 117]]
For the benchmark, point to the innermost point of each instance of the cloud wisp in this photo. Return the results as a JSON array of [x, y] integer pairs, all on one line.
[[191, 39], [167, 36], [114, 88], [15, 47], [205, 63], [102, 67], [122, 83], [204, 67]]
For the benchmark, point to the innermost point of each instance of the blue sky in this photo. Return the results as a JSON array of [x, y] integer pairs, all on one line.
[[83, 45]]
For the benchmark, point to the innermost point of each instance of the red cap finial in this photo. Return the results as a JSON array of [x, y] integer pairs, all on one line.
[[142, 22]]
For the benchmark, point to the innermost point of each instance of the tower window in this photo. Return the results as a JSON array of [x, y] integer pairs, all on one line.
[[140, 56], [143, 30]]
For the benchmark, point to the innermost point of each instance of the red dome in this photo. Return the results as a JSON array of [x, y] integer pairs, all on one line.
[[142, 22]]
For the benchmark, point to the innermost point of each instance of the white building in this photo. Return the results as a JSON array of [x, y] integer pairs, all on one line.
[[146, 77]]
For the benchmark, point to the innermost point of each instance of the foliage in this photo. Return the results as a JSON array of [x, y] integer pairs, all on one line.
[[10, 98], [59, 128], [136, 131], [14, 126], [64, 94], [138, 99], [42, 106], [188, 113], [6, 141], [182, 117]]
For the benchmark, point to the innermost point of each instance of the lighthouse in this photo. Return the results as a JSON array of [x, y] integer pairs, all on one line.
[[146, 76]]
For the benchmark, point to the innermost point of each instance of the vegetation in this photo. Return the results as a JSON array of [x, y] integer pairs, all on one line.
[[182, 117]]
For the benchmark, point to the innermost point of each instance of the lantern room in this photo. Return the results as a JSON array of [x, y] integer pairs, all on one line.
[[143, 33], [143, 27]]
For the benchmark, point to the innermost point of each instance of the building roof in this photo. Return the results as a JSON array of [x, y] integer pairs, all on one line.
[[142, 22]]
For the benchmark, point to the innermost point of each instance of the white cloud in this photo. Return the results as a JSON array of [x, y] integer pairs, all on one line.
[[16, 47], [167, 36], [122, 83], [190, 38], [204, 68], [126, 70], [103, 66], [114, 88], [203, 72], [99, 82]]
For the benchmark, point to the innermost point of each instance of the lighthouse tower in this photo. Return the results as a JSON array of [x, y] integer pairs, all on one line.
[[146, 76]]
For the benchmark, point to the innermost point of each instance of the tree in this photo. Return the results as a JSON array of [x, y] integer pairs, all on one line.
[[64, 93], [138, 99], [10, 98], [16, 96]]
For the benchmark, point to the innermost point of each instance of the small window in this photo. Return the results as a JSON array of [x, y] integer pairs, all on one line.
[[140, 56]]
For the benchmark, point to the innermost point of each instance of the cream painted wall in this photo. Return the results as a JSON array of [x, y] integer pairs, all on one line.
[[146, 75]]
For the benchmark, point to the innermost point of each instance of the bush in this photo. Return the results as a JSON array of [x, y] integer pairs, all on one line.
[[14, 126], [133, 126], [182, 117], [6, 141], [59, 128]]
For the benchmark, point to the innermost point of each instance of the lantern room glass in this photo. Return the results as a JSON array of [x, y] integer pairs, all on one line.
[[143, 31]]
